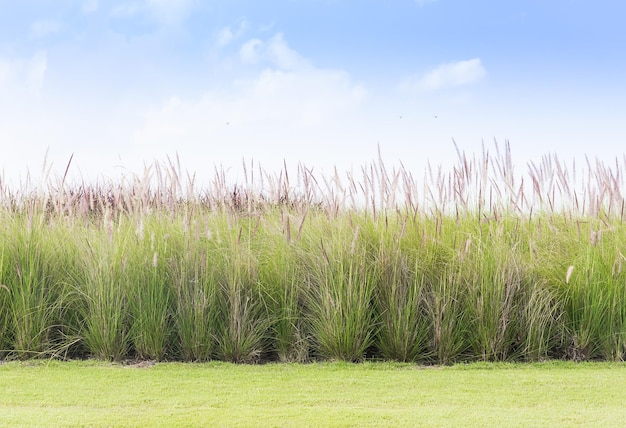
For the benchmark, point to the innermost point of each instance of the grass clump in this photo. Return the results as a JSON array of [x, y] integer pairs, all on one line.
[[479, 263], [339, 301], [102, 286]]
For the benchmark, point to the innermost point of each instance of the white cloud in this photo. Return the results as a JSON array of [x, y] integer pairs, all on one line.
[[44, 28], [19, 76], [250, 52], [274, 99], [283, 56], [284, 111], [275, 52], [226, 35], [447, 75]]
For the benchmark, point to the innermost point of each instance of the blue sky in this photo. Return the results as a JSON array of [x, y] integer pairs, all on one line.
[[323, 82]]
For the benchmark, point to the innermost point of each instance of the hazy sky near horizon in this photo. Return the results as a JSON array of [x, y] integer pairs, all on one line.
[[322, 82]]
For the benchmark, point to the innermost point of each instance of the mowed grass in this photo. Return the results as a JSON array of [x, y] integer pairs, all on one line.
[[89, 393]]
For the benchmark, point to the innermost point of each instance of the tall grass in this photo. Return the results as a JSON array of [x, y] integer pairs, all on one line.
[[401, 298], [195, 293], [243, 320], [340, 288], [150, 293], [33, 260], [282, 276], [102, 286], [478, 262]]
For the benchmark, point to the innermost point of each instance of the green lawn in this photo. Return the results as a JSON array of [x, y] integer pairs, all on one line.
[[90, 393]]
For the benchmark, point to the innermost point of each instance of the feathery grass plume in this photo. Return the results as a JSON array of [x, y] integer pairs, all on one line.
[[568, 275]]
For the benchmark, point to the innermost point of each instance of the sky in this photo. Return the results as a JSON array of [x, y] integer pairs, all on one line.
[[117, 85]]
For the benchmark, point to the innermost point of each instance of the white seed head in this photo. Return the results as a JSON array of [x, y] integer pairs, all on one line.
[[568, 275]]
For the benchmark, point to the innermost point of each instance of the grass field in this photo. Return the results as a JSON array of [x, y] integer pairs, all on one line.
[[90, 393]]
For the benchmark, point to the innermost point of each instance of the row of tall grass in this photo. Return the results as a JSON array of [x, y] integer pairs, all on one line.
[[475, 263]]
